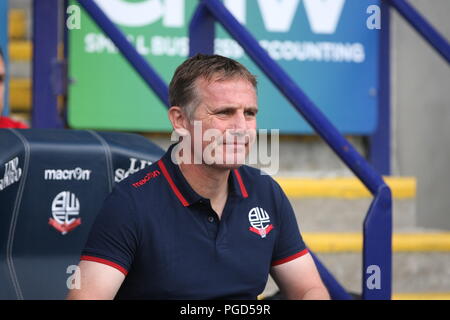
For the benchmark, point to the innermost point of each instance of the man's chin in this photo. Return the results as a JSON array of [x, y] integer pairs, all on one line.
[[226, 166], [228, 163]]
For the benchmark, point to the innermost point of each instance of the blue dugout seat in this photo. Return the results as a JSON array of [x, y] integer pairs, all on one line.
[[52, 185]]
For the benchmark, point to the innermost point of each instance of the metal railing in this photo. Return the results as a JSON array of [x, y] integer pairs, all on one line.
[[425, 29]]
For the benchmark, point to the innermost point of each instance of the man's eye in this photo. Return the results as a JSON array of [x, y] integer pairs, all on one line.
[[250, 113]]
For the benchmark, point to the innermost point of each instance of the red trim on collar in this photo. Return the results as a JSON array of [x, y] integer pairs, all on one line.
[[241, 184], [177, 192]]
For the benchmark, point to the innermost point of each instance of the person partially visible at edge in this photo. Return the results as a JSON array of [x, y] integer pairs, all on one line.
[[6, 122], [200, 229]]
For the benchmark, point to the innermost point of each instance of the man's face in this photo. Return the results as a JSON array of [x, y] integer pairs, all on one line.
[[2, 84], [227, 115]]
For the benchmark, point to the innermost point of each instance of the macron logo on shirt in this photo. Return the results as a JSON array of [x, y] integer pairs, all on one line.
[[146, 179]]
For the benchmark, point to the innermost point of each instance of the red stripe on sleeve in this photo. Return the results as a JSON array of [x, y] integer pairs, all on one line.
[[162, 166], [107, 262], [290, 258]]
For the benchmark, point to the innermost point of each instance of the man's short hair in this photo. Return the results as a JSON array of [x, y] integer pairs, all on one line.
[[1, 53], [182, 88]]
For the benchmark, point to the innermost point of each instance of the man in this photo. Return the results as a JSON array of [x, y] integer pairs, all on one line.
[[6, 122], [208, 227]]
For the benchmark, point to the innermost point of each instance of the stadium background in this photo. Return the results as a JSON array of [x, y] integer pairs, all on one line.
[[330, 203]]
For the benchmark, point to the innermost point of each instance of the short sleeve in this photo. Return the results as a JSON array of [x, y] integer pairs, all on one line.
[[113, 239], [289, 244]]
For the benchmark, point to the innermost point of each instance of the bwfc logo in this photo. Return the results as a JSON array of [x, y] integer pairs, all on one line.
[[64, 207], [259, 221]]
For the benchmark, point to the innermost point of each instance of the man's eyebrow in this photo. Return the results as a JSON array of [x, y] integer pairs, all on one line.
[[233, 107]]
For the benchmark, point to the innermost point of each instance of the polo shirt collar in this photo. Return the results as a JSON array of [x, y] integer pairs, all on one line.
[[182, 188]]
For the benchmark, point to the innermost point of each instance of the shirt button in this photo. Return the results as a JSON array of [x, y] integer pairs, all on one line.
[[211, 219]]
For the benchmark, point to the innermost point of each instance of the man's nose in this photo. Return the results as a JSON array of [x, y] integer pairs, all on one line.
[[239, 124]]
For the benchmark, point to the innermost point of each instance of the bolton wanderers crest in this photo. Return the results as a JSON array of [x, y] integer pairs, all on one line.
[[259, 221], [65, 210]]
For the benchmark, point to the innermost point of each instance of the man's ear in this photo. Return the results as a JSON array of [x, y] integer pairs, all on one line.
[[179, 120]]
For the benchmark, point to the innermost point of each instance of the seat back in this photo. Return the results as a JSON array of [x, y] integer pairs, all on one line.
[[52, 185]]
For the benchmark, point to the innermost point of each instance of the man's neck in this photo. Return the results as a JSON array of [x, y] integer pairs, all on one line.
[[209, 182]]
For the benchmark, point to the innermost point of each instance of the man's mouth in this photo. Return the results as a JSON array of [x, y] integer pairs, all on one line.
[[236, 143]]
